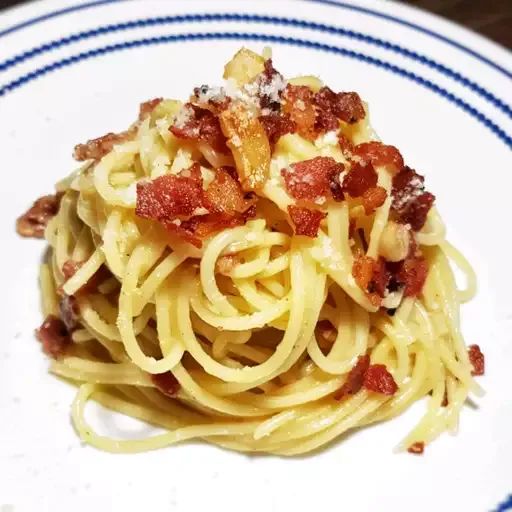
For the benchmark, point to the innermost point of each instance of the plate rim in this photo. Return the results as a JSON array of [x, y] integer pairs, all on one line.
[[241, 36], [503, 506], [338, 30], [334, 3]]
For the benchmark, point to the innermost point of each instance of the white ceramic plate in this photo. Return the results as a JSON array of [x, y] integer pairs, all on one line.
[[72, 70]]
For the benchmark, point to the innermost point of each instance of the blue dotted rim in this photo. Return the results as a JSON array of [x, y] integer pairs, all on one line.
[[333, 3], [241, 36], [419, 28], [256, 18], [506, 505], [275, 39]]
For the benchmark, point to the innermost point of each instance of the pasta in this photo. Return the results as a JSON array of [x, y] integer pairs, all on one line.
[[253, 268]]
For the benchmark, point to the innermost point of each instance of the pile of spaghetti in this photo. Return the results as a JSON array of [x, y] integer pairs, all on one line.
[[253, 268]]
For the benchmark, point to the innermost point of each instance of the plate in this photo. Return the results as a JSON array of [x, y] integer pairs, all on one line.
[[71, 70]]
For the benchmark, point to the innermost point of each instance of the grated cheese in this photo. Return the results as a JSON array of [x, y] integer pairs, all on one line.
[[235, 140], [183, 117], [208, 176], [328, 139], [300, 104], [274, 88], [417, 190], [200, 211], [207, 94]]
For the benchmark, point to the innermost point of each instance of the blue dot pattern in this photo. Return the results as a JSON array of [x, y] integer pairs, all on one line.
[[255, 18], [418, 28], [506, 505], [242, 36], [333, 3]]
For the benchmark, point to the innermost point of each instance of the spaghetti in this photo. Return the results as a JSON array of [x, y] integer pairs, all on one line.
[[253, 268]]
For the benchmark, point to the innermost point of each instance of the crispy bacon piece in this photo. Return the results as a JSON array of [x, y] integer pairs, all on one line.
[[355, 378], [349, 107], [34, 221], [167, 383], [335, 186], [374, 198], [204, 225], [96, 149], [326, 330], [363, 269], [380, 154], [346, 106], [372, 277], [407, 186], [378, 379], [413, 274], [54, 337], [306, 221], [301, 109], [199, 124], [345, 145], [69, 312], [477, 359], [211, 97], [359, 179], [225, 195], [147, 108], [271, 85], [411, 203], [276, 126], [201, 226], [174, 201], [313, 179], [380, 279], [417, 448], [325, 121], [170, 196], [185, 234], [416, 214]]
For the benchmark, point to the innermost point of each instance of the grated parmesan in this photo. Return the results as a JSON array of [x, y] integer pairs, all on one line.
[[274, 88], [235, 140], [417, 190], [249, 95], [328, 139], [300, 105], [207, 94], [200, 211], [184, 116]]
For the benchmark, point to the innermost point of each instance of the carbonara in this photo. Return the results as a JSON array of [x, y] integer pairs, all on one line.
[[255, 268]]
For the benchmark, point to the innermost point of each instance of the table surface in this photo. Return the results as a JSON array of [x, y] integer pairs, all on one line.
[[491, 18]]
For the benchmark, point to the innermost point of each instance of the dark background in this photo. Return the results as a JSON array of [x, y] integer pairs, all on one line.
[[491, 18]]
